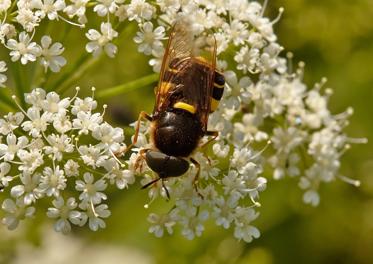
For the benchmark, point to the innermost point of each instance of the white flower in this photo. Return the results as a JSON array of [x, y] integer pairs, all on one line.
[[36, 97], [220, 149], [11, 122], [109, 136], [238, 90], [243, 230], [71, 168], [311, 197], [121, 13], [224, 211], [37, 123], [161, 222], [237, 31], [62, 123], [65, 214], [102, 40], [52, 105], [28, 19], [242, 161], [4, 170], [139, 10], [121, 177], [7, 31], [192, 223], [51, 54], [86, 121], [28, 189], [285, 140], [15, 211], [149, 40], [24, 49], [87, 104], [4, 5], [107, 6], [247, 59], [30, 160], [53, 181], [91, 191], [94, 214], [9, 150], [90, 155], [3, 77], [50, 8], [77, 8], [58, 144]]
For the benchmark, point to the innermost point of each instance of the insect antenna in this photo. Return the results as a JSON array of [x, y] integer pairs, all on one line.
[[163, 186], [166, 190], [150, 183]]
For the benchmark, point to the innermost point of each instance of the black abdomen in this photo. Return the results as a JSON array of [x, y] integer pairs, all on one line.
[[177, 132]]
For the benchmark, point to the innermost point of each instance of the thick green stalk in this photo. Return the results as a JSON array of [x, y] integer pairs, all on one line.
[[129, 86]]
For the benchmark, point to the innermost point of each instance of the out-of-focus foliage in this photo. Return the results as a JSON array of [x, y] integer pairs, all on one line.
[[335, 39]]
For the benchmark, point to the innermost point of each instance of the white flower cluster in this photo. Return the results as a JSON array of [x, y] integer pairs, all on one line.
[[227, 192], [308, 140], [51, 145], [263, 102], [238, 26], [56, 141], [237, 22]]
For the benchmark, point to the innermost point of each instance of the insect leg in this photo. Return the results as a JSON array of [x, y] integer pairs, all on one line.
[[142, 115], [140, 159], [214, 135], [195, 180]]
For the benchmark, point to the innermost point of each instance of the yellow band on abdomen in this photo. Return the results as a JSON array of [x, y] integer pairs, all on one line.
[[185, 106]]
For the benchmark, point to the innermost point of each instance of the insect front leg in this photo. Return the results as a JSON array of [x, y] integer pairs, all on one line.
[[142, 115], [140, 159]]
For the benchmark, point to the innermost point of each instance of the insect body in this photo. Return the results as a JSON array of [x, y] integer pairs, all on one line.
[[189, 90]]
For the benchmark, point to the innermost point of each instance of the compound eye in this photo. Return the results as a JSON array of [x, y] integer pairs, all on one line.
[[166, 166]]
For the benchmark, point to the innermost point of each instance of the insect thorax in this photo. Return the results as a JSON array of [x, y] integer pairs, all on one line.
[[177, 132]]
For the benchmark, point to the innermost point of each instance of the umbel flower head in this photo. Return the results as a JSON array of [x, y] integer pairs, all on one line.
[[61, 151], [54, 142]]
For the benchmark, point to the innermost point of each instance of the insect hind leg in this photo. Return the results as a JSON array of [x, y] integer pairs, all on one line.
[[196, 177]]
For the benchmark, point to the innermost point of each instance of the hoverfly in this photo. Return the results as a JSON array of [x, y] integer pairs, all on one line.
[[189, 89]]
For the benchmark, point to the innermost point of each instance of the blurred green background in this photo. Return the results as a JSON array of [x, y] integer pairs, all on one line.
[[335, 39]]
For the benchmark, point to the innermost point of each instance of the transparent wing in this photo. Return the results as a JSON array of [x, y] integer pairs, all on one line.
[[187, 72]]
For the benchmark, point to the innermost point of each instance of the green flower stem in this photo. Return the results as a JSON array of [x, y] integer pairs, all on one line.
[[129, 86], [5, 99], [19, 81], [66, 78], [5, 108]]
